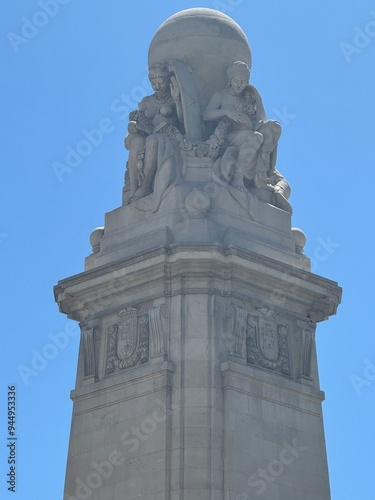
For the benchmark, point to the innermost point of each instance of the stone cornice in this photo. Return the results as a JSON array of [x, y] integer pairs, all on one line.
[[196, 268]]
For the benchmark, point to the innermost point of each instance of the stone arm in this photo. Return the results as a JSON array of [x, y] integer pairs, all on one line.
[[280, 183], [261, 114], [216, 111], [138, 120]]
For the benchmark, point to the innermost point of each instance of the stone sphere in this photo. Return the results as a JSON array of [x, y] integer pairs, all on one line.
[[300, 239], [207, 41], [95, 238]]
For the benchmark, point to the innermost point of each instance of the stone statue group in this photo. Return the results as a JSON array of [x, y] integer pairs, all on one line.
[[232, 130]]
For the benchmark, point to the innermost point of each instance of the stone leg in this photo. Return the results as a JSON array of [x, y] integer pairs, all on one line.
[[238, 182], [135, 143], [150, 165], [163, 179], [248, 159]]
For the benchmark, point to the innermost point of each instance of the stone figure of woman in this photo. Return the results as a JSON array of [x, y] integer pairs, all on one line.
[[249, 139], [153, 132]]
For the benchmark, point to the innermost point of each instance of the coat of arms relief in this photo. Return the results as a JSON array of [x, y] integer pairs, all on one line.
[[259, 338], [128, 341], [136, 337]]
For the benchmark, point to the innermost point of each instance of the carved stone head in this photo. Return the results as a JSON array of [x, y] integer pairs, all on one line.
[[159, 76], [238, 76]]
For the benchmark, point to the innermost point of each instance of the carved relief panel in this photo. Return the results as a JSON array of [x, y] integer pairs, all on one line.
[[260, 337], [267, 345], [128, 341], [136, 338]]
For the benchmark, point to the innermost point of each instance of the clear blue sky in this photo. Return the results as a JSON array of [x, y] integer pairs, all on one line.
[[312, 61]]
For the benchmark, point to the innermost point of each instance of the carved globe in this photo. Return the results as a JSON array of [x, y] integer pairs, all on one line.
[[206, 40], [95, 238], [299, 238]]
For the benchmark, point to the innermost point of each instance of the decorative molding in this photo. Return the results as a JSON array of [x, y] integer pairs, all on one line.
[[128, 341], [315, 315], [306, 352], [88, 352], [237, 325], [89, 332], [158, 330]]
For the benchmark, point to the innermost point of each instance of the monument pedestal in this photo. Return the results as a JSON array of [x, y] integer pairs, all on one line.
[[197, 374], [219, 383]]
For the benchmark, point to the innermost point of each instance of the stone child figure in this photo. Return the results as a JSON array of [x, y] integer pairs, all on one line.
[[243, 129], [151, 131]]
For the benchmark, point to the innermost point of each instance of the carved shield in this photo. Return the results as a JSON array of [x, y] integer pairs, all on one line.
[[128, 341], [268, 340], [127, 337]]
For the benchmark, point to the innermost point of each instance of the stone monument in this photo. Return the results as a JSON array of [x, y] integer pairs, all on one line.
[[197, 374]]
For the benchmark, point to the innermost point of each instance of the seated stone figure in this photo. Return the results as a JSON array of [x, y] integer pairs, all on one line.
[[153, 132], [248, 138]]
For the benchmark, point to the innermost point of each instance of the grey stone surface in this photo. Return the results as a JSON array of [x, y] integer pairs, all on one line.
[[232, 414], [197, 374]]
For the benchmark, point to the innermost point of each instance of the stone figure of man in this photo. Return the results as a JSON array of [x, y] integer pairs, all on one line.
[[243, 129]]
